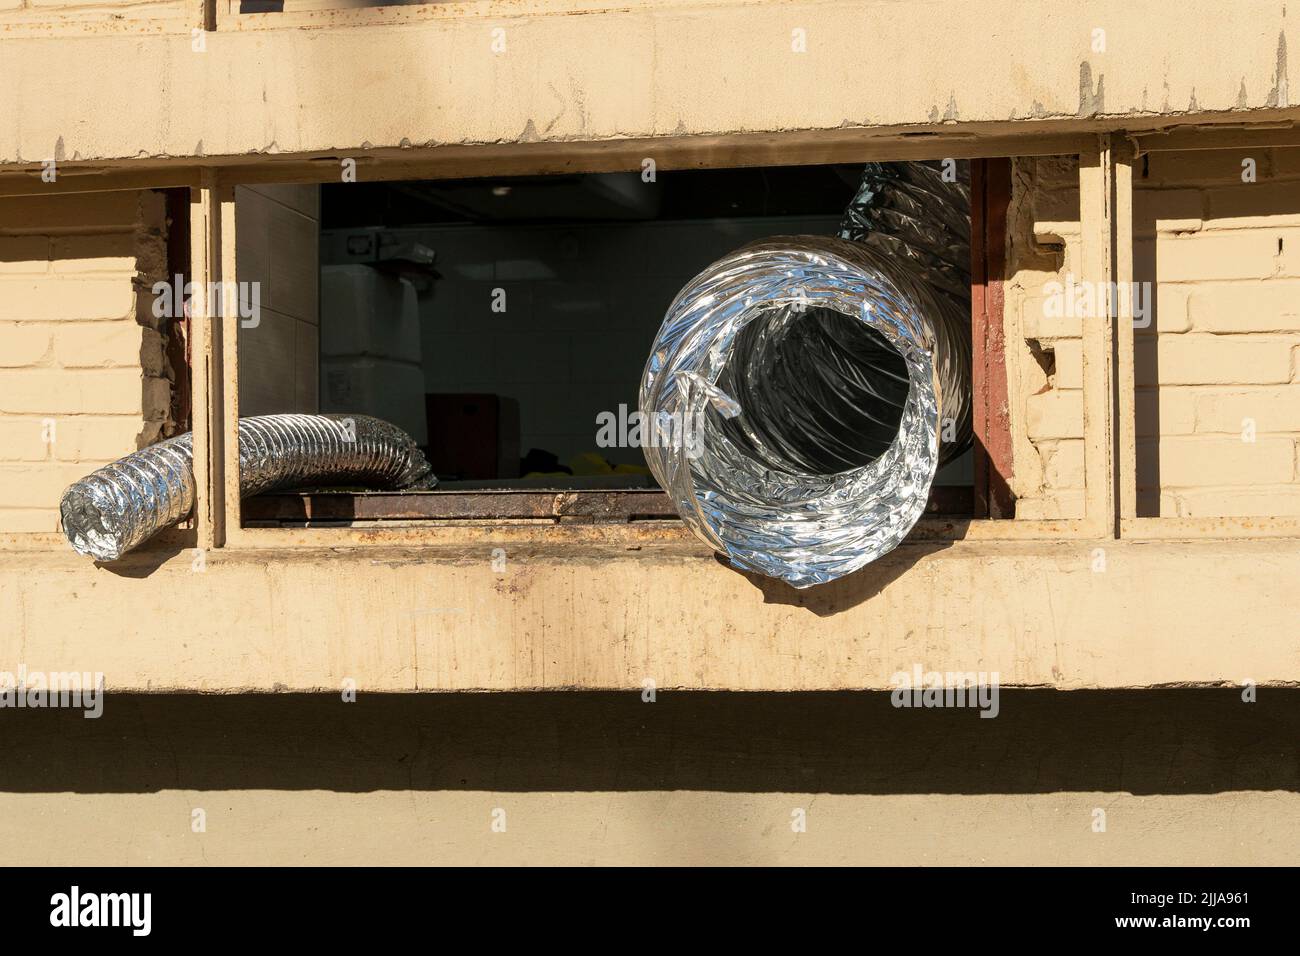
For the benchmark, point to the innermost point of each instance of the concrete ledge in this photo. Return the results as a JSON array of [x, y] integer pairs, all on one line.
[[595, 616], [676, 70]]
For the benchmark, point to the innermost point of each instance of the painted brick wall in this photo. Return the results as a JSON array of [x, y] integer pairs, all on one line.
[[83, 378], [1218, 395]]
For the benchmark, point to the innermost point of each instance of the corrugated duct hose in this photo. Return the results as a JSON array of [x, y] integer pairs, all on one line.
[[119, 506], [811, 386]]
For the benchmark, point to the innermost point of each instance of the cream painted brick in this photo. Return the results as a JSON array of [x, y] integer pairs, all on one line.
[[1037, 324], [1198, 462], [1170, 313], [1150, 206], [28, 520], [1049, 172], [1057, 205], [23, 345], [1253, 204], [1063, 464], [99, 438], [1232, 254], [1067, 503], [1270, 306], [111, 252], [66, 297], [1271, 409], [1269, 501], [105, 345], [24, 254], [1055, 414], [23, 439], [56, 392], [70, 212], [1193, 167], [40, 485], [1069, 363], [1176, 226], [1280, 162], [1216, 359], [1165, 411]]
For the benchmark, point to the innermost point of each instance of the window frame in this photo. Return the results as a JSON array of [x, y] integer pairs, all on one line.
[[218, 508]]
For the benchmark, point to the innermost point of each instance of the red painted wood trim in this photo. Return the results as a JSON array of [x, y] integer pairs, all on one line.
[[990, 197]]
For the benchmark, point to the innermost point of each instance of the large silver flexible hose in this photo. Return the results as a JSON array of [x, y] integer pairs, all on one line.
[[816, 383], [113, 510]]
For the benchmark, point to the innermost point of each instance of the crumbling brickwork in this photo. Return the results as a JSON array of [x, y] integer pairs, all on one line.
[[83, 377]]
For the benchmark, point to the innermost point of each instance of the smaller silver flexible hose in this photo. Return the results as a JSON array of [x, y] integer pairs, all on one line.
[[108, 513]]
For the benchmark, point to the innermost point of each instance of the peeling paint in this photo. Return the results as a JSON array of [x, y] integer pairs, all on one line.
[[1278, 96], [1091, 103], [1241, 95]]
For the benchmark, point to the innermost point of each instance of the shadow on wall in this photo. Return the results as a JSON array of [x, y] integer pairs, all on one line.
[[1188, 741], [843, 594]]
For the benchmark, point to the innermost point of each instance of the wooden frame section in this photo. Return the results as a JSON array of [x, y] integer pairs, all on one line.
[[1096, 228], [552, 510], [207, 378], [990, 418]]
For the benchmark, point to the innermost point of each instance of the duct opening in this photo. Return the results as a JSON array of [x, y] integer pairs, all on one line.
[[820, 393], [832, 377]]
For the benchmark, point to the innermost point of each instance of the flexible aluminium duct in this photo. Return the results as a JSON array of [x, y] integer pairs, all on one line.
[[113, 510], [819, 382]]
